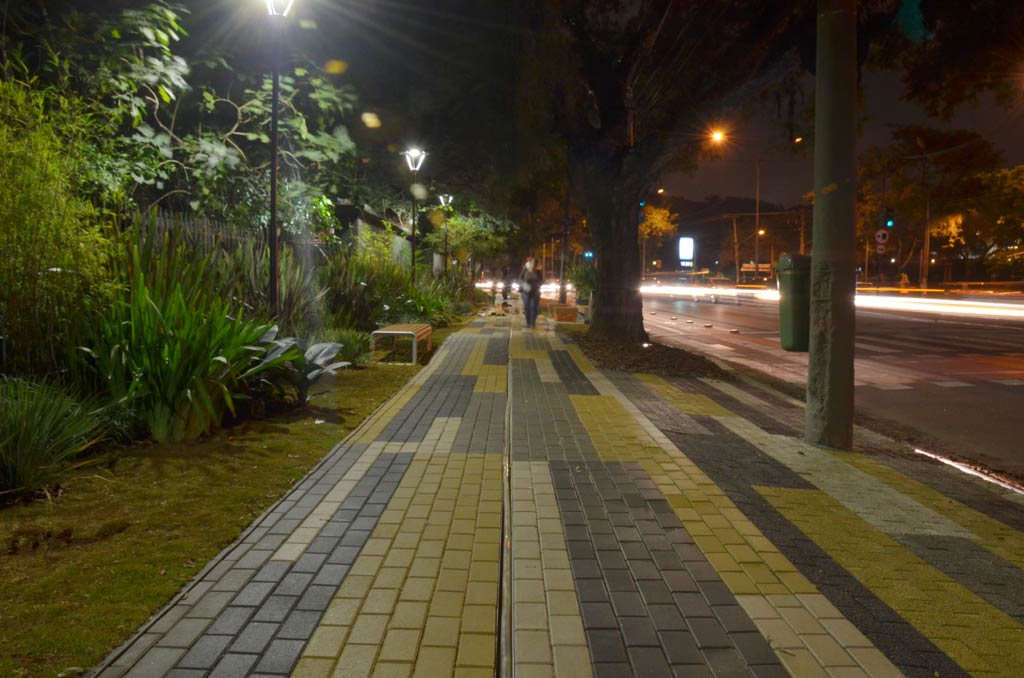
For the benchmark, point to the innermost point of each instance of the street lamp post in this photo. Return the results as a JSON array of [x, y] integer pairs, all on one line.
[[414, 158], [757, 252], [446, 202], [757, 217], [278, 11]]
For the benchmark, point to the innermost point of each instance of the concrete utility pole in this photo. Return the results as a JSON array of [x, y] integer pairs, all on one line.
[[830, 365]]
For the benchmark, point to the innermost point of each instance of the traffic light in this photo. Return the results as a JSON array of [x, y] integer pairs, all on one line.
[[890, 217], [588, 255]]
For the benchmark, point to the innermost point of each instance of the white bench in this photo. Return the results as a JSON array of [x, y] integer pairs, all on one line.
[[417, 331]]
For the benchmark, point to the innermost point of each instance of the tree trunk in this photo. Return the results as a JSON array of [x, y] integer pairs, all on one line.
[[613, 211]]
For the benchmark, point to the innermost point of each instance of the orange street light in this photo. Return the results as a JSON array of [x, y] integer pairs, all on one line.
[[717, 136], [661, 191]]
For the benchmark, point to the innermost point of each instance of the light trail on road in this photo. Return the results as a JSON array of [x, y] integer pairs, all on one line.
[[956, 307]]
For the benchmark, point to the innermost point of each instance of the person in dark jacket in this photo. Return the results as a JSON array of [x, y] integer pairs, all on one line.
[[530, 280]]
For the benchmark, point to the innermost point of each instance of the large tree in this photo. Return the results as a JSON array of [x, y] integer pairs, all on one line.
[[633, 85]]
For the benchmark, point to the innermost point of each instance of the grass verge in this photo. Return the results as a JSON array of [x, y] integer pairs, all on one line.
[[82, 572]]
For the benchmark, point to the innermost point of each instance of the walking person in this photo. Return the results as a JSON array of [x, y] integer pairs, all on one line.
[[529, 289]]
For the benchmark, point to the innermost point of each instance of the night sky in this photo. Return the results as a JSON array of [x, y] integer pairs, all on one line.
[[785, 177]]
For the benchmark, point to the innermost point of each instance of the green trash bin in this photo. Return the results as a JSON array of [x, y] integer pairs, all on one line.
[[794, 301]]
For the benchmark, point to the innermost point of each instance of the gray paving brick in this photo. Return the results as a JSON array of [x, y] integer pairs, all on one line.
[[184, 633], [680, 647], [275, 570], [231, 620], [709, 633], [638, 631], [205, 652], [210, 605], [649, 661], [275, 609], [254, 593], [233, 580], [316, 598], [606, 646], [254, 638], [294, 584], [281, 656], [299, 625]]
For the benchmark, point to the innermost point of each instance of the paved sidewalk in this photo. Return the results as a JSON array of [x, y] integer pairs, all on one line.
[[515, 510]]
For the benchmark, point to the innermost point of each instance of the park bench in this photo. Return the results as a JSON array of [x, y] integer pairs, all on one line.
[[417, 331]]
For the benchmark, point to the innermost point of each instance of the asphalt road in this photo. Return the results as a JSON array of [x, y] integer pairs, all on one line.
[[956, 384]]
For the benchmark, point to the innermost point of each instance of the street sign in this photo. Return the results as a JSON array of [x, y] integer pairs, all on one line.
[[880, 249], [882, 236]]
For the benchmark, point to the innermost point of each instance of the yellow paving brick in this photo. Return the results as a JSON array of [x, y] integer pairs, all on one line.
[[479, 619], [355, 586], [425, 567], [959, 622], [442, 631], [355, 661], [567, 630], [417, 588], [572, 662], [530, 616], [447, 604], [476, 649], [313, 667], [435, 662], [341, 611], [390, 578], [399, 645], [380, 601], [408, 615], [326, 641], [390, 670], [368, 629], [532, 647], [481, 593]]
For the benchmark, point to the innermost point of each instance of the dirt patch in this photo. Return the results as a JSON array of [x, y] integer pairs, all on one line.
[[648, 358]]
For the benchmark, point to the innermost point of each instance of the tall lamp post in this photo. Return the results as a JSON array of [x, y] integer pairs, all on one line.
[[414, 158], [757, 252], [278, 11], [446, 202]]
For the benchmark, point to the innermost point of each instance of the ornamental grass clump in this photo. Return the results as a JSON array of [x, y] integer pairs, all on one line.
[[41, 428]]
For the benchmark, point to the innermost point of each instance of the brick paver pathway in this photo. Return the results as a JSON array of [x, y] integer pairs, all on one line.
[[516, 511]]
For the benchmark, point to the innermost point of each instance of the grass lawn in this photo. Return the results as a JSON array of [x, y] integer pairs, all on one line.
[[82, 572]]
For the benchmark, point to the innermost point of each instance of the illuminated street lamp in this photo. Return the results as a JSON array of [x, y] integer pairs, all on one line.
[[414, 158], [446, 202], [278, 11]]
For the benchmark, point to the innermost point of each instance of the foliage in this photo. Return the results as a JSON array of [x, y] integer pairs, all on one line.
[[974, 210], [584, 279], [360, 290], [52, 253], [657, 222], [474, 237], [355, 345], [41, 428], [179, 353]]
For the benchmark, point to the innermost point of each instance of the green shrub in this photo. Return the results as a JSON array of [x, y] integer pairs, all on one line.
[[362, 292], [52, 253], [584, 280], [41, 427], [355, 345], [175, 352]]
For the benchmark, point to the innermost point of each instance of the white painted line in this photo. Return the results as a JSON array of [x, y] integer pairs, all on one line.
[[952, 384], [1009, 382], [893, 387], [970, 471], [720, 347]]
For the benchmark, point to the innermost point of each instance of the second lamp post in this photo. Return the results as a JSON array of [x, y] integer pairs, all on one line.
[[414, 158]]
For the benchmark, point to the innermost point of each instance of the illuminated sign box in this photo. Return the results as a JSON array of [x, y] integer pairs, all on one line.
[[686, 252]]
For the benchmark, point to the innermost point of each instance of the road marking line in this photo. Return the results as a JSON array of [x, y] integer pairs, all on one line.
[[952, 384], [1009, 382], [892, 387]]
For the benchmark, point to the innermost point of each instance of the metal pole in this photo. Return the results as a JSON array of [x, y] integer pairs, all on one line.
[[562, 295], [803, 226], [446, 243], [926, 253], [736, 249], [413, 225], [757, 215], [829, 411], [272, 241], [757, 254]]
